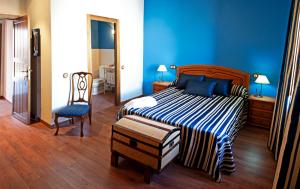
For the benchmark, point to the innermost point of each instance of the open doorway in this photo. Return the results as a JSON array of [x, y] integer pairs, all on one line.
[[103, 53], [16, 86], [6, 64]]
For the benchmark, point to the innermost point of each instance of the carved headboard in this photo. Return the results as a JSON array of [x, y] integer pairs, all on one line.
[[238, 77]]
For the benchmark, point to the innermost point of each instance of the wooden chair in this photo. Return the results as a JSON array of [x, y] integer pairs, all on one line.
[[78, 107]]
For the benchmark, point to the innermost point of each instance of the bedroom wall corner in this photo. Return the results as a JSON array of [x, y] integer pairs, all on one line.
[[39, 15]]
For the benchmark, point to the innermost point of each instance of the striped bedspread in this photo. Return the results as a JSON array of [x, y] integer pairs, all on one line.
[[208, 127]]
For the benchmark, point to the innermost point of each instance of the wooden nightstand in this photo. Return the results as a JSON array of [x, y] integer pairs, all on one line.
[[261, 111], [160, 85]]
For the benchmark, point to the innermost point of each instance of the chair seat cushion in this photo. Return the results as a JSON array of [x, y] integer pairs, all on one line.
[[73, 110]]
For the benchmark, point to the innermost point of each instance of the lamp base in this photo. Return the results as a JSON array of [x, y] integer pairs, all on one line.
[[258, 96], [161, 79]]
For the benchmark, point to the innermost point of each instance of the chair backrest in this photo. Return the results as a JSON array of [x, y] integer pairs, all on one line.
[[82, 83]]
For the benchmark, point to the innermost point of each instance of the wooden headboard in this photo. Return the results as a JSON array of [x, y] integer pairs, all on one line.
[[238, 77]]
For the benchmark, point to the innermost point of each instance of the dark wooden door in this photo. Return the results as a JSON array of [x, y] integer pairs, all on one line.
[[21, 92]]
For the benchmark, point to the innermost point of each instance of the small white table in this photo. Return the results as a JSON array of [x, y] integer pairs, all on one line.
[[109, 76]]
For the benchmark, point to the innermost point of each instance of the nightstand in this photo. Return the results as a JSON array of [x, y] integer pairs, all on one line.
[[160, 85], [261, 111]]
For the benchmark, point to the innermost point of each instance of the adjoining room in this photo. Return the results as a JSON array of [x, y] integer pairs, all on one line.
[[103, 54], [19, 71]]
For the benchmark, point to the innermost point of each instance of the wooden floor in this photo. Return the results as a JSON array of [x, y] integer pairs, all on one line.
[[31, 157], [5, 108]]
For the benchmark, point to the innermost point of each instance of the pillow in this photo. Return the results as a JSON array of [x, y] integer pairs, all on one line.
[[201, 88], [223, 86], [239, 90], [174, 83], [183, 79]]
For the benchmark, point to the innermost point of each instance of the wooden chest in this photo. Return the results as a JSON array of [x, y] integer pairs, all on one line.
[[148, 142], [261, 111]]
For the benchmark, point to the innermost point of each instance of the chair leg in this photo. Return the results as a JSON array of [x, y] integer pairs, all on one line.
[[56, 124], [90, 116], [114, 159], [71, 120], [81, 125], [147, 175], [103, 87]]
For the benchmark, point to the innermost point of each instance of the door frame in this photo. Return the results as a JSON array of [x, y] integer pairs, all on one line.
[[116, 50]]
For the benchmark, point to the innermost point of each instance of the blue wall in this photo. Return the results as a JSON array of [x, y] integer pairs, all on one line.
[[102, 37], [245, 35]]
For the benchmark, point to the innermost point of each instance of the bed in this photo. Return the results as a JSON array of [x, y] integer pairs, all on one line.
[[208, 125]]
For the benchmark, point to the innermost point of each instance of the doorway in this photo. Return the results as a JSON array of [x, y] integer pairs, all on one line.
[[103, 58], [1, 97], [15, 73], [6, 64]]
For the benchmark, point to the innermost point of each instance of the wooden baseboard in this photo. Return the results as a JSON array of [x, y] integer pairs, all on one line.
[[46, 124], [62, 121], [3, 98]]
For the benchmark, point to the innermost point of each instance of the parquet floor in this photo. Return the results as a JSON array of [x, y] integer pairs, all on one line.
[[31, 157]]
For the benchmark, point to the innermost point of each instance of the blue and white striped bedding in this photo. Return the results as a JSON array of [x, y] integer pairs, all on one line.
[[208, 126]]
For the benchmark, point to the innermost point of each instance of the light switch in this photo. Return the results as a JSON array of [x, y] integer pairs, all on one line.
[[65, 75]]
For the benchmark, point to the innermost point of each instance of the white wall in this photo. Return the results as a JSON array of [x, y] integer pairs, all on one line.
[[7, 64], [69, 42], [1, 60], [12, 7], [102, 57]]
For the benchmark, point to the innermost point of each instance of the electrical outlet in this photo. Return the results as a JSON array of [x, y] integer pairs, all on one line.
[[172, 67]]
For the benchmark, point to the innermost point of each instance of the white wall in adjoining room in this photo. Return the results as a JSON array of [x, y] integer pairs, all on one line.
[[102, 57], [1, 59], [69, 42], [16, 8], [7, 64]]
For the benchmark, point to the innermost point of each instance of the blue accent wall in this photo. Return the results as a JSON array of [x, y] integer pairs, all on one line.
[[102, 37], [245, 35]]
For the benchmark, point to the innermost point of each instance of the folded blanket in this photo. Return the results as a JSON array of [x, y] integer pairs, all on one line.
[[142, 102]]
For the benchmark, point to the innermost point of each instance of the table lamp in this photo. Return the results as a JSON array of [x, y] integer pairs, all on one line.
[[262, 80], [162, 69]]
